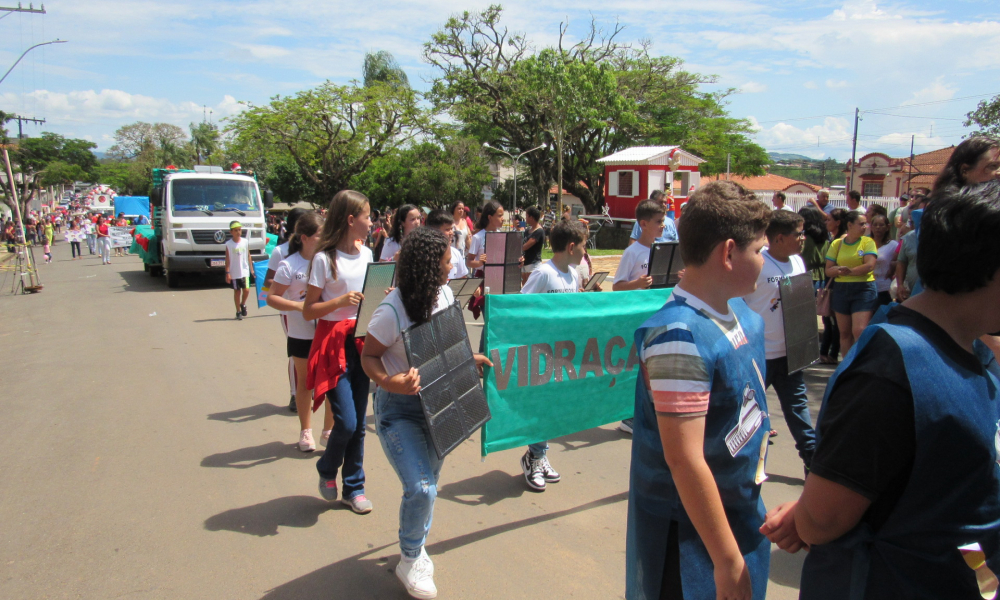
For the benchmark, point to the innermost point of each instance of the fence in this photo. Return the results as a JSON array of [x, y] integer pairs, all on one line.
[[798, 200]]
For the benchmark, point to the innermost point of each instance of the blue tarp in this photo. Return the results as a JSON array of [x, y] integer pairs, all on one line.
[[132, 206]]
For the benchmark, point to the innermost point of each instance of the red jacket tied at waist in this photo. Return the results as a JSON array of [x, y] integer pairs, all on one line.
[[328, 356]]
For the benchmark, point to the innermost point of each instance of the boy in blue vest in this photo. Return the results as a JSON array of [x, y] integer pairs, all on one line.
[[906, 468], [700, 431]]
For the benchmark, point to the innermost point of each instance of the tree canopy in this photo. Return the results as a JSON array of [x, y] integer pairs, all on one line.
[[49, 159], [986, 117]]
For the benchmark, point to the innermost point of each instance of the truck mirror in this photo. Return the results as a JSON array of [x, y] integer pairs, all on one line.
[[268, 199]]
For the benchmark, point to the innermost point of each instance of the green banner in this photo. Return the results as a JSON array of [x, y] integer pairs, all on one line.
[[562, 363]]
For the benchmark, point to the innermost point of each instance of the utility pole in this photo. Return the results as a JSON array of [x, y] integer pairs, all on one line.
[[727, 165], [854, 148], [31, 9], [822, 174], [910, 177], [20, 130]]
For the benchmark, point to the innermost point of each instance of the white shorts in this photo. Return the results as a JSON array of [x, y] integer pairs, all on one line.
[[530, 268]]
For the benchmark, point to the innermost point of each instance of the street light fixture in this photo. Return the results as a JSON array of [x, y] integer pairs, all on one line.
[[515, 161], [27, 51]]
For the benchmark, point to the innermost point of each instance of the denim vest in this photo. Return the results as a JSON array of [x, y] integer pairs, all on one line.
[[952, 498]]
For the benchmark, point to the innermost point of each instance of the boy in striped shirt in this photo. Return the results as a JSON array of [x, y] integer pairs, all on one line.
[[701, 429]]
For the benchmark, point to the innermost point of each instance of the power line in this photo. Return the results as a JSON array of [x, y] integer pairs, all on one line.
[[876, 110]]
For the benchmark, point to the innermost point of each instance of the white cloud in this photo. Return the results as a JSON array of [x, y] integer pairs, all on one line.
[[836, 83], [752, 87], [89, 107], [784, 137], [932, 93], [810, 85]]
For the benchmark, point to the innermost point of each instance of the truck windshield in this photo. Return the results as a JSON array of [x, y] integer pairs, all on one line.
[[213, 195]]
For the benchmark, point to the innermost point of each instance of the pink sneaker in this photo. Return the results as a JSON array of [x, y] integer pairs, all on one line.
[[306, 443]]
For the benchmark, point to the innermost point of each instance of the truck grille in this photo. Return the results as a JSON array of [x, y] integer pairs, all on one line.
[[207, 236]]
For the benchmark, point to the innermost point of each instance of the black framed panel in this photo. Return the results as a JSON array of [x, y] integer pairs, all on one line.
[[378, 278], [798, 313]]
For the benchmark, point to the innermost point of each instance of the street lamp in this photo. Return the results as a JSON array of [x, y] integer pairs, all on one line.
[[27, 51], [515, 160]]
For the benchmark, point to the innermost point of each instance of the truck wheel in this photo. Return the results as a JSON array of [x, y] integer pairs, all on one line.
[[173, 278], [155, 271]]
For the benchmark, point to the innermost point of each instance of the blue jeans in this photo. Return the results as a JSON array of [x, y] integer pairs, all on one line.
[[538, 450], [346, 447], [406, 441], [791, 390]]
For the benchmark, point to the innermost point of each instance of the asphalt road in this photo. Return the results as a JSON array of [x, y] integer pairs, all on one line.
[[146, 452]]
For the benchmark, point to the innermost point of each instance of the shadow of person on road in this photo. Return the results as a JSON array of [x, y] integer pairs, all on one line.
[[250, 413], [588, 438], [264, 519], [488, 488], [772, 478], [370, 574], [786, 569], [244, 458]]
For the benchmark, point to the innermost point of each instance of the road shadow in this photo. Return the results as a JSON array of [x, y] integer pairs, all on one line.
[[254, 456], [786, 569], [772, 478], [488, 488], [250, 413], [233, 318], [589, 437], [369, 574], [141, 281], [263, 519]]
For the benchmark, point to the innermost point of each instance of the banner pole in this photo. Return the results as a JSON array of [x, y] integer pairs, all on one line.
[[32, 278]]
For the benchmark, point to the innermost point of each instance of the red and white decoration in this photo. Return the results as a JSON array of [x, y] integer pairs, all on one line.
[[100, 197], [632, 174]]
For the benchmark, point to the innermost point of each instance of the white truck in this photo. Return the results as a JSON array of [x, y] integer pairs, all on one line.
[[192, 210]]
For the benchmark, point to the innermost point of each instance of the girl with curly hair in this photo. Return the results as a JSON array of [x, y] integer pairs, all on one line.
[[406, 219], [336, 278], [422, 272]]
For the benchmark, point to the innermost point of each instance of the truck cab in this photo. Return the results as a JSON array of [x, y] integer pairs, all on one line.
[[192, 211]]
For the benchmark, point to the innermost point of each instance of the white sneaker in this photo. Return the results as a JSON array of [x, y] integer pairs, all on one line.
[[306, 443], [417, 576]]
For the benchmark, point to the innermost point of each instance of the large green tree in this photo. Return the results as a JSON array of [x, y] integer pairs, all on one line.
[[330, 133], [986, 117], [33, 156], [588, 100]]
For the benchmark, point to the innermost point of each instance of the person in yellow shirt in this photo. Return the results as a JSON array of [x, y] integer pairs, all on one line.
[[851, 260]]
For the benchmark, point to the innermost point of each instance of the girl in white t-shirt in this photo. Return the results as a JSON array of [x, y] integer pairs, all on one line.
[[336, 277], [287, 294], [406, 219], [422, 272], [491, 219]]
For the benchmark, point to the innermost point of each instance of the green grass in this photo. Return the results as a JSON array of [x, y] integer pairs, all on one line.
[[547, 253]]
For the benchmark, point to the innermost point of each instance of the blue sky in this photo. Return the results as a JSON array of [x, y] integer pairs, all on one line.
[[925, 63]]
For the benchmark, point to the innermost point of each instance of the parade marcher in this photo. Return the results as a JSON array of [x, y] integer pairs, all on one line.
[[74, 237], [279, 254], [905, 473], [975, 160], [633, 268], [558, 275], [851, 260], [896, 216], [287, 294], [490, 219], [669, 231], [785, 237], [885, 264], [700, 431], [336, 279], [422, 273], [120, 222], [91, 231], [822, 202], [238, 268], [103, 240], [534, 241], [406, 219], [829, 346], [443, 222], [854, 201], [463, 228]]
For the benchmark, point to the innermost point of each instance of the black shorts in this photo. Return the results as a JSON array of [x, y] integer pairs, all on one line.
[[298, 348], [241, 284]]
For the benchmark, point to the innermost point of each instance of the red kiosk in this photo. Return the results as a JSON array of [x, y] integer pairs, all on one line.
[[632, 174]]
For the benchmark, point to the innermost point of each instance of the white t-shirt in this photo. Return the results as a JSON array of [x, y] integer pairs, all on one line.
[[294, 272], [390, 320], [351, 270], [239, 258], [389, 250], [458, 266], [885, 255], [766, 300], [634, 263], [548, 279], [279, 254], [478, 244]]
